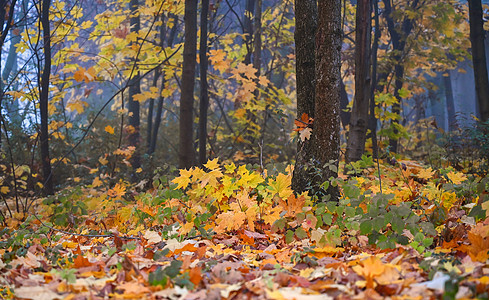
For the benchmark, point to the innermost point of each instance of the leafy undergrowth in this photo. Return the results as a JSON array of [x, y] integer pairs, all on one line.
[[228, 232]]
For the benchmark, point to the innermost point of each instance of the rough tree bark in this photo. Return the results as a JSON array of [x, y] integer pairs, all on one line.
[[44, 100], [134, 137], [320, 163], [304, 35], [204, 95], [477, 36], [359, 115], [326, 132], [186, 149]]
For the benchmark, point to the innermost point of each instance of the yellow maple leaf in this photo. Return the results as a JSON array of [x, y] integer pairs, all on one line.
[[184, 179], [4, 189], [77, 105], [84, 75], [456, 177], [272, 215], [212, 164], [228, 221], [281, 186], [263, 81], [426, 173], [125, 213], [186, 228], [109, 129], [371, 268], [103, 161], [96, 182], [218, 60], [140, 97], [247, 69]]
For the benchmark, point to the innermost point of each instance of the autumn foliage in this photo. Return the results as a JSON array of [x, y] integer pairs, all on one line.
[[233, 231]]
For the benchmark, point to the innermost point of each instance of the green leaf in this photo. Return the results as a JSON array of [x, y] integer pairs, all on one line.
[[301, 233], [174, 268], [397, 225], [158, 277], [428, 228], [349, 211], [378, 223], [289, 236], [419, 237], [427, 242], [366, 227], [328, 219], [403, 93]]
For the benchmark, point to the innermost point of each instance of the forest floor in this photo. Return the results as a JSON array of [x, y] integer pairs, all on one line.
[[232, 233]]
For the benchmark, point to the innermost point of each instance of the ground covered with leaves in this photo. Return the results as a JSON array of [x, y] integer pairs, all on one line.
[[233, 232]]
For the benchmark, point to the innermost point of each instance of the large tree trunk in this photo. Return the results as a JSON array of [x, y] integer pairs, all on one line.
[[359, 115], [477, 36], [134, 138], [204, 95], [44, 100], [326, 132], [186, 148], [305, 37]]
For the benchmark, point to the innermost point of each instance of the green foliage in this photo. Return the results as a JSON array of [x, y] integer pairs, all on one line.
[[162, 276], [68, 207]]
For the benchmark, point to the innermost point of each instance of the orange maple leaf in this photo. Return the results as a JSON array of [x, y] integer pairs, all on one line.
[[118, 191], [304, 122]]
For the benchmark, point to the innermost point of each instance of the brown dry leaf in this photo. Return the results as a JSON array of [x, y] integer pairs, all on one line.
[[153, 237], [37, 293], [30, 260], [133, 288]]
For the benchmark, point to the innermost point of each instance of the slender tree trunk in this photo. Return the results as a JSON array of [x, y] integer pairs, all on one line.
[[452, 121], [306, 13], [345, 115], [161, 100], [134, 138], [398, 38], [44, 100], [149, 120], [257, 42], [372, 120], [158, 73], [477, 37], [248, 30], [186, 148], [5, 25], [359, 115], [204, 95]]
